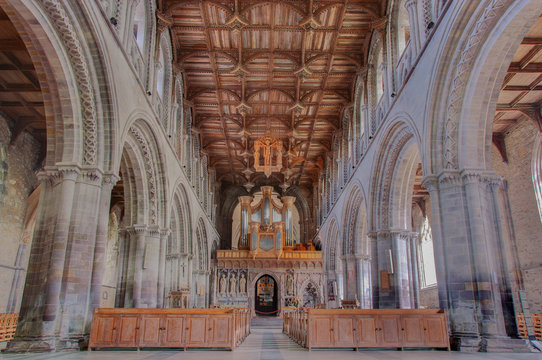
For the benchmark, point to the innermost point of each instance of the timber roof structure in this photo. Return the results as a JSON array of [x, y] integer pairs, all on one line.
[[286, 69]]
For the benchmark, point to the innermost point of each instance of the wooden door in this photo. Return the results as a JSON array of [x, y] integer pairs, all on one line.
[[104, 331], [389, 331], [436, 331], [366, 331], [127, 329], [220, 332], [413, 330], [173, 335], [197, 331], [344, 333], [150, 330], [322, 334]]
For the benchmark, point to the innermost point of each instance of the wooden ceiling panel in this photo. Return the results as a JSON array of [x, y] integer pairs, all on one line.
[[21, 99], [256, 68], [521, 92]]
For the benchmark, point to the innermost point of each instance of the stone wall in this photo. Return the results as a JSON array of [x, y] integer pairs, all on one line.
[[429, 298], [526, 219], [18, 164]]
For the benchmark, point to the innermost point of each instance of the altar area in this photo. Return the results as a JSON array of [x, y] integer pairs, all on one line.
[[267, 268]]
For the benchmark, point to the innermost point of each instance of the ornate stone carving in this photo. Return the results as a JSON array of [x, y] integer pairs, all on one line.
[[149, 166], [65, 29], [483, 26]]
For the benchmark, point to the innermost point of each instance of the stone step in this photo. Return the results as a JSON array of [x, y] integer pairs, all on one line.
[[267, 322]]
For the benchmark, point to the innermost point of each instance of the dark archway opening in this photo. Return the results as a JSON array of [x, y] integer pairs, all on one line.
[[265, 300]]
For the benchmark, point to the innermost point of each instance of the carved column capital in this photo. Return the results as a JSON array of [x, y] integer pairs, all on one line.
[[137, 229], [110, 180], [91, 176], [430, 182]]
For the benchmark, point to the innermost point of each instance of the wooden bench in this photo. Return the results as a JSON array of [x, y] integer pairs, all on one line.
[[8, 325], [537, 324], [378, 328], [169, 328]]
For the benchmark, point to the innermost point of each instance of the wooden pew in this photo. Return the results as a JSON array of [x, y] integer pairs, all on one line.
[[8, 325], [169, 328], [375, 328], [537, 324]]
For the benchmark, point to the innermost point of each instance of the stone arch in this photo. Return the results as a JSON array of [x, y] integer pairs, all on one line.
[[331, 245], [70, 76], [202, 246], [351, 210], [399, 153], [251, 284], [142, 164], [474, 66]]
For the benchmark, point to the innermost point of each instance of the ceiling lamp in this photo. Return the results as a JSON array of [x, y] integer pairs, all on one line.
[[268, 155]]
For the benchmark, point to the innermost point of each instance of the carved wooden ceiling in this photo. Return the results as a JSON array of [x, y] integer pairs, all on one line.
[[21, 100], [521, 92], [280, 68]]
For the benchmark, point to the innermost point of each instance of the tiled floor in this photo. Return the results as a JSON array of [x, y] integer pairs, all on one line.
[[270, 344]]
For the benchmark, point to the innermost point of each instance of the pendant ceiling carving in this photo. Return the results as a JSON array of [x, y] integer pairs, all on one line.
[[252, 68]]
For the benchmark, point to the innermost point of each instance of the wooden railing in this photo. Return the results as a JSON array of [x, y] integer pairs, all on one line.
[[379, 328], [537, 324], [169, 328], [8, 325]]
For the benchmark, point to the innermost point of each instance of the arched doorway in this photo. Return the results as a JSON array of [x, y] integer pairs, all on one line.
[[265, 299]]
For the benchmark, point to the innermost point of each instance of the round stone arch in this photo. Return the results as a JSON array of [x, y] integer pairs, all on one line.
[[390, 193], [142, 168], [466, 94], [180, 207], [330, 246], [202, 245], [72, 81], [351, 215], [254, 277]]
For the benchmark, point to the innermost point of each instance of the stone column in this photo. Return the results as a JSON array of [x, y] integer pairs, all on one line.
[[392, 275], [164, 235], [56, 301], [414, 274], [66, 178], [350, 276], [98, 267], [122, 268], [151, 268], [363, 266], [469, 260], [137, 250]]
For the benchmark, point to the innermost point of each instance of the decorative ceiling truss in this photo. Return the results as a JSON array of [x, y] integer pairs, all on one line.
[[284, 69]]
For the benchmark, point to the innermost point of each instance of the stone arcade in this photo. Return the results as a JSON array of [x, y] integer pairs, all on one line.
[[251, 153]]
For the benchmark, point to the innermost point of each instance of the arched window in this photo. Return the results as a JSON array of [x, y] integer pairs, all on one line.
[[140, 25], [160, 73], [403, 28], [379, 64], [426, 257]]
